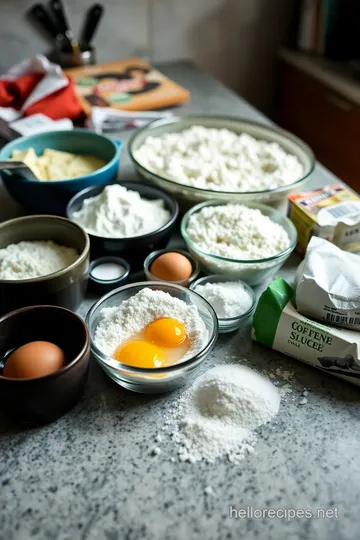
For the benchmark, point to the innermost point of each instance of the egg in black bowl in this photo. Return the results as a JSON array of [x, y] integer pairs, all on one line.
[[44, 354]]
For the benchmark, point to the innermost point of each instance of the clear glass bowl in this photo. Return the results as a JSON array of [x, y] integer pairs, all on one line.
[[187, 196], [253, 272], [228, 324], [151, 381], [155, 254]]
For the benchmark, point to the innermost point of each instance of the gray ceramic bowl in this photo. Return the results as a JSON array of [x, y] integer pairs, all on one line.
[[64, 288]]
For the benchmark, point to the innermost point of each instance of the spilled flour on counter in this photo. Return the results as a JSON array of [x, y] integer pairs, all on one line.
[[217, 416]]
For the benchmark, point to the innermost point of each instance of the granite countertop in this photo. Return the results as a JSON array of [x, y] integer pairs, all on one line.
[[91, 475]]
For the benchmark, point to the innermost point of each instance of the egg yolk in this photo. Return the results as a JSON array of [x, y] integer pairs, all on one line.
[[140, 354], [165, 332]]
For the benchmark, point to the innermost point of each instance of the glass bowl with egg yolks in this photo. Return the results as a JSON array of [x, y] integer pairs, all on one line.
[[153, 380]]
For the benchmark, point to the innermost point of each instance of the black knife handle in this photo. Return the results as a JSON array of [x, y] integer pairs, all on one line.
[[58, 10], [41, 16], [92, 19]]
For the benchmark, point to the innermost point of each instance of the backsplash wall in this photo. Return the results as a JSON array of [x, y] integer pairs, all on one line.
[[234, 40]]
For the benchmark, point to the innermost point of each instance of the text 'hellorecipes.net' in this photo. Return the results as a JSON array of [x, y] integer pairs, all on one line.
[[286, 513]]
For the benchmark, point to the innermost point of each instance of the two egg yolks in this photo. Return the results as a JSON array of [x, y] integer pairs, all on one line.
[[162, 342]]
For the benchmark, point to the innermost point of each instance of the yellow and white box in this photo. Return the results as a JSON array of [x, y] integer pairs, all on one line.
[[331, 212]]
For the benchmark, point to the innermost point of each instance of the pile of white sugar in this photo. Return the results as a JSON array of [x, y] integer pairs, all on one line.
[[121, 213], [220, 412], [118, 324], [228, 298], [32, 259], [220, 160], [237, 232]]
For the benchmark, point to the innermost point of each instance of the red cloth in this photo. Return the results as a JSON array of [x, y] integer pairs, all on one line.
[[14, 93], [61, 104]]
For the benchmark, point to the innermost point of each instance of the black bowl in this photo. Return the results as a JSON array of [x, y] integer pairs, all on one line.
[[136, 248], [101, 286], [44, 399]]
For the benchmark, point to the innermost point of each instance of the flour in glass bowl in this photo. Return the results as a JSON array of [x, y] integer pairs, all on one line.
[[118, 324], [219, 160], [236, 232]]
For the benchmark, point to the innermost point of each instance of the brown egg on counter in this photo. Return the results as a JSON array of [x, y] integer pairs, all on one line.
[[33, 360], [171, 266]]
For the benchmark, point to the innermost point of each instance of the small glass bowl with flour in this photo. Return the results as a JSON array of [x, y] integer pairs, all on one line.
[[233, 300]]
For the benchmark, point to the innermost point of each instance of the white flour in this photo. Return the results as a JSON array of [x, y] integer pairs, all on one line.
[[117, 324], [220, 160], [228, 298], [217, 416], [120, 213], [32, 259], [236, 232]]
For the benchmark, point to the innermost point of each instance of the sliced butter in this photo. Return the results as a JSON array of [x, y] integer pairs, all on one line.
[[55, 165], [57, 156]]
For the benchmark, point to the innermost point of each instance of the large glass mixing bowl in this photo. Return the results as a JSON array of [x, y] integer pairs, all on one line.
[[187, 196]]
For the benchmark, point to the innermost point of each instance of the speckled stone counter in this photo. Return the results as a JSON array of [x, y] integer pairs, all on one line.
[[92, 476]]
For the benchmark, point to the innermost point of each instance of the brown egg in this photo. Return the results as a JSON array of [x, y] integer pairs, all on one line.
[[34, 359], [171, 266]]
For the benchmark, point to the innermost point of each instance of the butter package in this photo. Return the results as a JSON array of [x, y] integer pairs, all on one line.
[[279, 326], [331, 212]]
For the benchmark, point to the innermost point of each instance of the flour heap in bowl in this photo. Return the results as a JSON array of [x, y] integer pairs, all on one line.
[[33, 259], [151, 329], [228, 298], [235, 231], [219, 160], [218, 415], [121, 213]]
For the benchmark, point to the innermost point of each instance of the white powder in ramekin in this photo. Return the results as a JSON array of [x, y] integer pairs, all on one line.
[[228, 298], [118, 324]]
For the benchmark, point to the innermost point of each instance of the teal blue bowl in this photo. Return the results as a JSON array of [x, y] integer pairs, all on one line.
[[52, 197]]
